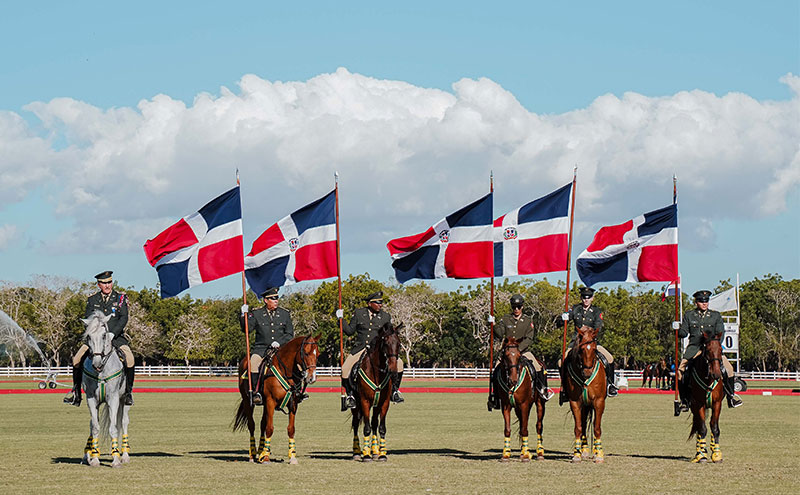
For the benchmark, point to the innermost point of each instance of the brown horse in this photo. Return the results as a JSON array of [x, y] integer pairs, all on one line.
[[292, 368], [584, 380], [515, 381], [662, 374], [705, 382], [376, 372], [648, 373]]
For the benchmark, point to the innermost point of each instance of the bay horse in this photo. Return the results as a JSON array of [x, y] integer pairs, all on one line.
[[376, 372], [515, 381], [104, 383], [706, 393], [286, 377], [662, 374], [648, 373], [584, 380]]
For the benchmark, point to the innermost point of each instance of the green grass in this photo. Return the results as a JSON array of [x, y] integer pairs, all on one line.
[[438, 443]]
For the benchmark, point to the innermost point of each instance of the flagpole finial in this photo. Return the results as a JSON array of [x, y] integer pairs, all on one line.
[[336, 176], [237, 176]]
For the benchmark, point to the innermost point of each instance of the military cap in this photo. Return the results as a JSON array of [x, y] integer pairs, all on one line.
[[375, 297], [587, 292], [517, 300], [702, 295], [272, 291], [104, 276]]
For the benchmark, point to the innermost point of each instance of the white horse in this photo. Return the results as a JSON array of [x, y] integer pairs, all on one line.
[[104, 383]]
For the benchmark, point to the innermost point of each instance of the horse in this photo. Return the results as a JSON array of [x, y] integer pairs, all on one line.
[[648, 372], [373, 377], [662, 374], [584, 380], [288, 373], [516, 382], [706, 392], [104, 383]]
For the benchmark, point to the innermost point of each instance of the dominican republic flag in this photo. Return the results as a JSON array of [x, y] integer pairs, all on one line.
[[299, 247], [201, 247], [534, 238], [644, 249], [670, 290], [458, 246]]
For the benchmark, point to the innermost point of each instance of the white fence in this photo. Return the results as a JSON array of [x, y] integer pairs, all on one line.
[[432, 373]]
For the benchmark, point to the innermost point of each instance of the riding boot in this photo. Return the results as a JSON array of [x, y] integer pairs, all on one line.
[[683, 393], [490, 399], [350, 400], [730, 392], [397, 397], [130, 372], [74, 396], [562, 394], [258, 399], [541, 382], [611, 378]]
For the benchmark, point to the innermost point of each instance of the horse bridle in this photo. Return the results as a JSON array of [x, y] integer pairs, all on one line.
[[512, 366], [302, 364], [103, 356], [576, 354]]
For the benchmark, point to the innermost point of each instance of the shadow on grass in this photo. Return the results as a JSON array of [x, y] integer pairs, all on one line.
[[77, 460], [237, 455], [643, 456], [486, 455]]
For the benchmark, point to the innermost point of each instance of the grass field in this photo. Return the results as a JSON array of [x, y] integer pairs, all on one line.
[[438, 443]]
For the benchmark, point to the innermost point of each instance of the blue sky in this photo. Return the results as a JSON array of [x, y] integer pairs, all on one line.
[[633, 93]]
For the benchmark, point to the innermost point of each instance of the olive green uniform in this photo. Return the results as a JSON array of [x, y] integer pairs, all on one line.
[[116, 305], [365, 325], [695, 323], [522, 330], [269, 327], [591, 317]]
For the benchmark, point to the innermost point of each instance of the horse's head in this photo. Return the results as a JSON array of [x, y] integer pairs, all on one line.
[[586, 345], [511, 358], [309, 352], [98, 338], [389, 345], [712, 352]]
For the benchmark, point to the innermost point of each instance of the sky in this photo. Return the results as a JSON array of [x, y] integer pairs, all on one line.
[[118, 120]]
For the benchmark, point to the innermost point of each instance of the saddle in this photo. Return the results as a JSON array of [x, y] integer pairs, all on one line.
[[353, 378]]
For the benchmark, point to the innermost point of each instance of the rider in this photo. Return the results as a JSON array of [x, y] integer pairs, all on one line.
[[113, 303], [365, 325], [520, 326], [584, 314], [695, 322], [273, 328]]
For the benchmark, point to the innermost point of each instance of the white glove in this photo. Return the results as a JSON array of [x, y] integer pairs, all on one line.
[[275, 345], [676, 325], [490, 319], [565, 316], [245, 309], [340, 313]]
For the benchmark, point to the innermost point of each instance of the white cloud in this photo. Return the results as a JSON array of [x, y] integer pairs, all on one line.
[[8, 234], [406, 155]]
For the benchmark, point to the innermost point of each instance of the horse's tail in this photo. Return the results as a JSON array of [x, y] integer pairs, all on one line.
[[242, 415], [590, 426]]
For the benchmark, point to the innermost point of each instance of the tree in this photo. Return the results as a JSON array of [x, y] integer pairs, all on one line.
[[144, 335], [191, 338]]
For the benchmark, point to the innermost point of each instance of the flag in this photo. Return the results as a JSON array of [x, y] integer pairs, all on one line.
[[301, 246], [534, 238], [644, 249], [724, 301], [670, 290], [458, 246], [200, 247]]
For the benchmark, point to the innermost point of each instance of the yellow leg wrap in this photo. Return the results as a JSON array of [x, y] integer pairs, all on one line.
[[375, 450], [597, 449], [88, 447], [383, 447], [263, 455], [114, 447], [126, 446], [539, 446], [292, 449], [95, 450], [524, 452], [716, 452], [584, 446], [365, 445], [701, 454], [356, 446], [506, 447], [576, 449], [253, 451]]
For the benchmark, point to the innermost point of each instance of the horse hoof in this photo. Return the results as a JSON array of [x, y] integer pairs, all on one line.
[[540, 457], [116, 464], [367, 459], [356, 457], [505, 459], [382, 458], [126, 458], [94, 462], [375, 457], [576, 458], [599, 460], [293, 460], [525, 459]]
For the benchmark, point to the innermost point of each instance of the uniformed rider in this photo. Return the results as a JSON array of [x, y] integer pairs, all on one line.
[[696, 322], [520, 326], [113, 303], [273, 328], [585, 314], [365, 324]]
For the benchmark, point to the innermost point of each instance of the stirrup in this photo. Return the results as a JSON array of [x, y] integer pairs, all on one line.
[[734, 401], [257, 399], [397, 397], [350, 402], [612, 390], [73, 398], [547, 393]]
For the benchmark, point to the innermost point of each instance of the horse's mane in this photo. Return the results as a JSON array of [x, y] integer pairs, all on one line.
[[91, 329]]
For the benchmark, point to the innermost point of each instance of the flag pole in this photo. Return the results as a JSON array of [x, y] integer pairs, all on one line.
[[569, 261], [246, 324], [491, 298], [339, 310], [678, 301]]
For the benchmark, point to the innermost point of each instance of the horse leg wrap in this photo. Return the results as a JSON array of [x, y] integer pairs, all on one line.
[[700, 455], [524, 452], [365, 445], [716, 452], [88, 448], [292, 449], [126, 446], [576, 449], [263, 454], [539, 446], [114, 447], [253, 451], [597, 449], [356, 446], [95, 450], [584, 445], [383, 447], [375, 449], [506, 447]]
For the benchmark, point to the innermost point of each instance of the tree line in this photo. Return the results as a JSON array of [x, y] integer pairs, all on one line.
[[442, 329]]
